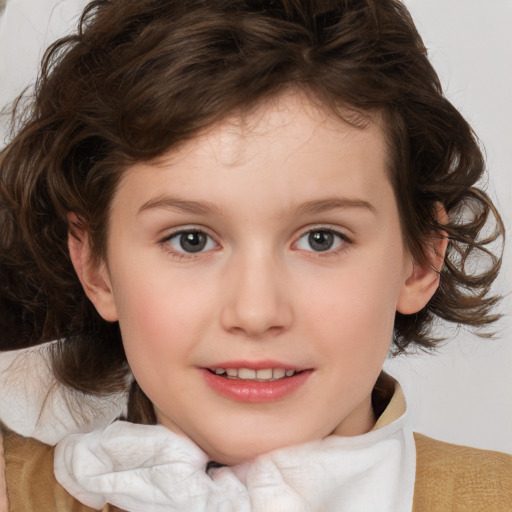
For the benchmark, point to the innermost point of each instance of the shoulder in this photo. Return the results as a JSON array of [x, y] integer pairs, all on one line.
[[27, 480], [459, 478]]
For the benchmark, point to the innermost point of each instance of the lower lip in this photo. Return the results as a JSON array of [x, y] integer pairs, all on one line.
[[255, 391]]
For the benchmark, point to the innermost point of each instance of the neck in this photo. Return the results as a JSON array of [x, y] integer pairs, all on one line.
[[361, 420]]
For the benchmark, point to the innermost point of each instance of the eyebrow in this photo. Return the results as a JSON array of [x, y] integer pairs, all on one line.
[[181, 205], [207, 208], [334, 203]]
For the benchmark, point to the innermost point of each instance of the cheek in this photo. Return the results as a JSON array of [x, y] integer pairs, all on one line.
[[160, 312], [356, 310], [156, 337]]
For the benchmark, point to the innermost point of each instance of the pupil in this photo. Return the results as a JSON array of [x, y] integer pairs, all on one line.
[[192, 242], [321, 240]]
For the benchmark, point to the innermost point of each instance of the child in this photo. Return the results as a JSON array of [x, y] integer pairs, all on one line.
[[231, 208]]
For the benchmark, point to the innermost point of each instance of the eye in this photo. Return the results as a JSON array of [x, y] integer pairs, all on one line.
[[191, 241], [321, 240]]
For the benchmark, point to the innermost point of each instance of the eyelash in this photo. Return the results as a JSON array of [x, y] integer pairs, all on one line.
[[342, 241], [166, 243]]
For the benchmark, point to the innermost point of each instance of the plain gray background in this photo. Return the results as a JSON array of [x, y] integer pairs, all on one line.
[[464, 393]]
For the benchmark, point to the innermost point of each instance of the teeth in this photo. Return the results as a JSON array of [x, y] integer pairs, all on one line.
[[278, 373], [266, 374], [262, 374], [246, 374]]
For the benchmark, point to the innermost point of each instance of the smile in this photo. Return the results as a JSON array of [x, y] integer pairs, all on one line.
[[261, 375], [264, 382]]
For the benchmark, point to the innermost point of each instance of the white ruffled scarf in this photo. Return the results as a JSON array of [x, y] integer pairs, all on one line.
[[142, 468]]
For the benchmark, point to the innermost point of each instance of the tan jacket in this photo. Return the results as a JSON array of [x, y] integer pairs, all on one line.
[[449, 478]]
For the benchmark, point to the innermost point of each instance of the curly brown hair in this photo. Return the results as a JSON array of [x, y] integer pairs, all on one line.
[[142, 76]]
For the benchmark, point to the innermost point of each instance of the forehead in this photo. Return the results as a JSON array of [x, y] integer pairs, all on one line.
[[289, 122], [288, 149]]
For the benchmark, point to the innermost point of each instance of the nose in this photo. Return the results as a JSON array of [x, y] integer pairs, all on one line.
[[257, 302]]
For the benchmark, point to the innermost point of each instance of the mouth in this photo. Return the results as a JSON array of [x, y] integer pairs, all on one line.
[[260, 375], [264, 382]]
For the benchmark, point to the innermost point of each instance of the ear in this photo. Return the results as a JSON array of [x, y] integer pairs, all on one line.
[[423, 280], [93, 275]]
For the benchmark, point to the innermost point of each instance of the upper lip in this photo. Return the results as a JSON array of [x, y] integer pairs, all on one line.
[[257, 365]]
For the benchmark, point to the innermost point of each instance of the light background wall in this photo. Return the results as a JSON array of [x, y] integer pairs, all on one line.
[[464, 393]]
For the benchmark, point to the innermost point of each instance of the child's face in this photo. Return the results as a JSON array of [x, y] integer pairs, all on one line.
[[270, 244]]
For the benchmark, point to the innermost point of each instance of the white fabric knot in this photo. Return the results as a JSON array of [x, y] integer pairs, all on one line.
[[142, 468]]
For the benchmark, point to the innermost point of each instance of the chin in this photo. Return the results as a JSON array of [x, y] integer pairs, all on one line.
[[238, 451]]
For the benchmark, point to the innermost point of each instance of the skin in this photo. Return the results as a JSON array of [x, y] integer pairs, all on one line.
[[259, 290]]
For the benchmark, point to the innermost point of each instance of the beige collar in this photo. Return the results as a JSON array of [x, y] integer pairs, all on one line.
[[388, 395]]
